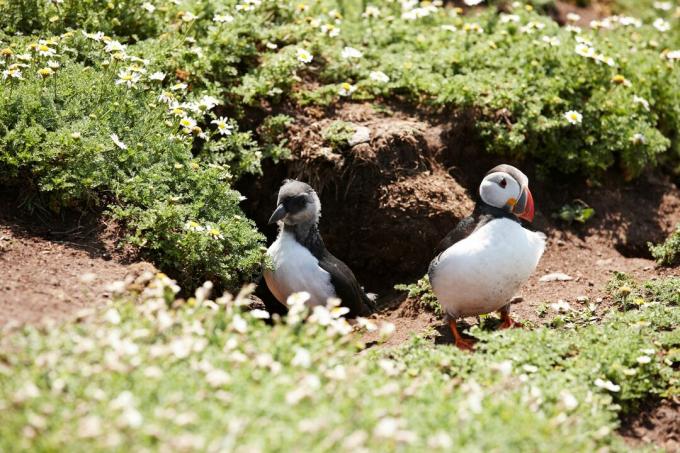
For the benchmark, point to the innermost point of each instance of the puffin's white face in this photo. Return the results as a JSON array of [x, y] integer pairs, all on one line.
[[500, 190]]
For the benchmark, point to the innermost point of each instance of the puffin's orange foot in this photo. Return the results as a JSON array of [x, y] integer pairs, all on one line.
[[461, 343], [509, 323], [465, 345]]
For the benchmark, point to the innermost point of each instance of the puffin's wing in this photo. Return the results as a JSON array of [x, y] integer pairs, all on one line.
[[346, 286], [270, 302], [464, 228]]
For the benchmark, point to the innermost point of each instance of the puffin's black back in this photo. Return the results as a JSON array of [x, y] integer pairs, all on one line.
[[346, 286]]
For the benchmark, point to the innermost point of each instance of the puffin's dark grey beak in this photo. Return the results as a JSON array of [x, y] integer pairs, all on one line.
[[278, 214]]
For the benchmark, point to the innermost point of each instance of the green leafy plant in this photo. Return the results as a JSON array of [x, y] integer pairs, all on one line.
[[421, 291], [338, 134], [668, 252], [579, 212]]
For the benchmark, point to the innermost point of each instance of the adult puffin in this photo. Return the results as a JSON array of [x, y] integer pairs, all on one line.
[[300, 259], [482, 262]]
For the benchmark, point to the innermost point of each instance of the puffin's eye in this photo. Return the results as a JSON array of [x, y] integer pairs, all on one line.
[[503, 183]]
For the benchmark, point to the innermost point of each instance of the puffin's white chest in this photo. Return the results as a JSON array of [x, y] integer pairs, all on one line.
[[295, 270], [482, 272]]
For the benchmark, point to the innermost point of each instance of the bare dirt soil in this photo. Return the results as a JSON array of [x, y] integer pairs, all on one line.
[[52, 271], [656, 423]]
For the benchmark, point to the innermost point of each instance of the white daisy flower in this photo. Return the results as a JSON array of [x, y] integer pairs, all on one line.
[[128, 78], [584, 50], [379, 76], [573, 117], [114, 46], [643, 359], [14, 73], [472, 2], [638, 139], [187, 123], [159, 76], [166, 97], [608, 385], [188, 16], [663, 6], [148, 7], [217, 378], [223, 18], [346, 89], [303, 55], [350, 52], [207, 103], [371, 11], [223, 127], [98, 36], [118, 142], [507, 18], [260, 314], [553, 41], [661, 25], [673, 55], [45, 50], [573, 17]]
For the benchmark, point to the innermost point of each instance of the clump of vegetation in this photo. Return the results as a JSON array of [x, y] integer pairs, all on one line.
[[579, 212], [338, 134], [668, 252], [106, 133], [421, 292], [206, 374], [629, 294]]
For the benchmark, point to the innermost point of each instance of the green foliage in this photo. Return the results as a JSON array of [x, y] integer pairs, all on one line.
[[578, 211], [628, 294], [338, 134], [272, 135], [421, 291], [205, 374], [668, 253], [119, 17], [81, 139]]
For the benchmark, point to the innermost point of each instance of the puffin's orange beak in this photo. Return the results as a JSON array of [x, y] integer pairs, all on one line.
[[524, 208]]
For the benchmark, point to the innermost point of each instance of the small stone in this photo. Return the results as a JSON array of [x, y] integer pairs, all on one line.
[[582, 299], [361, 135], [555, 276]]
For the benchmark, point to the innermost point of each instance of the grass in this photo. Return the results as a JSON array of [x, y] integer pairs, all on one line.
[[205, 374]]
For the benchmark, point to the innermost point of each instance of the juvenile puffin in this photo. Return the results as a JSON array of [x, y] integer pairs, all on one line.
[[488, 256], [300, 259]]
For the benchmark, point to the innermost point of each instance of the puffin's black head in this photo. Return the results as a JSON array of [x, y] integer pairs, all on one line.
[[297, 203], [506, 187]]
